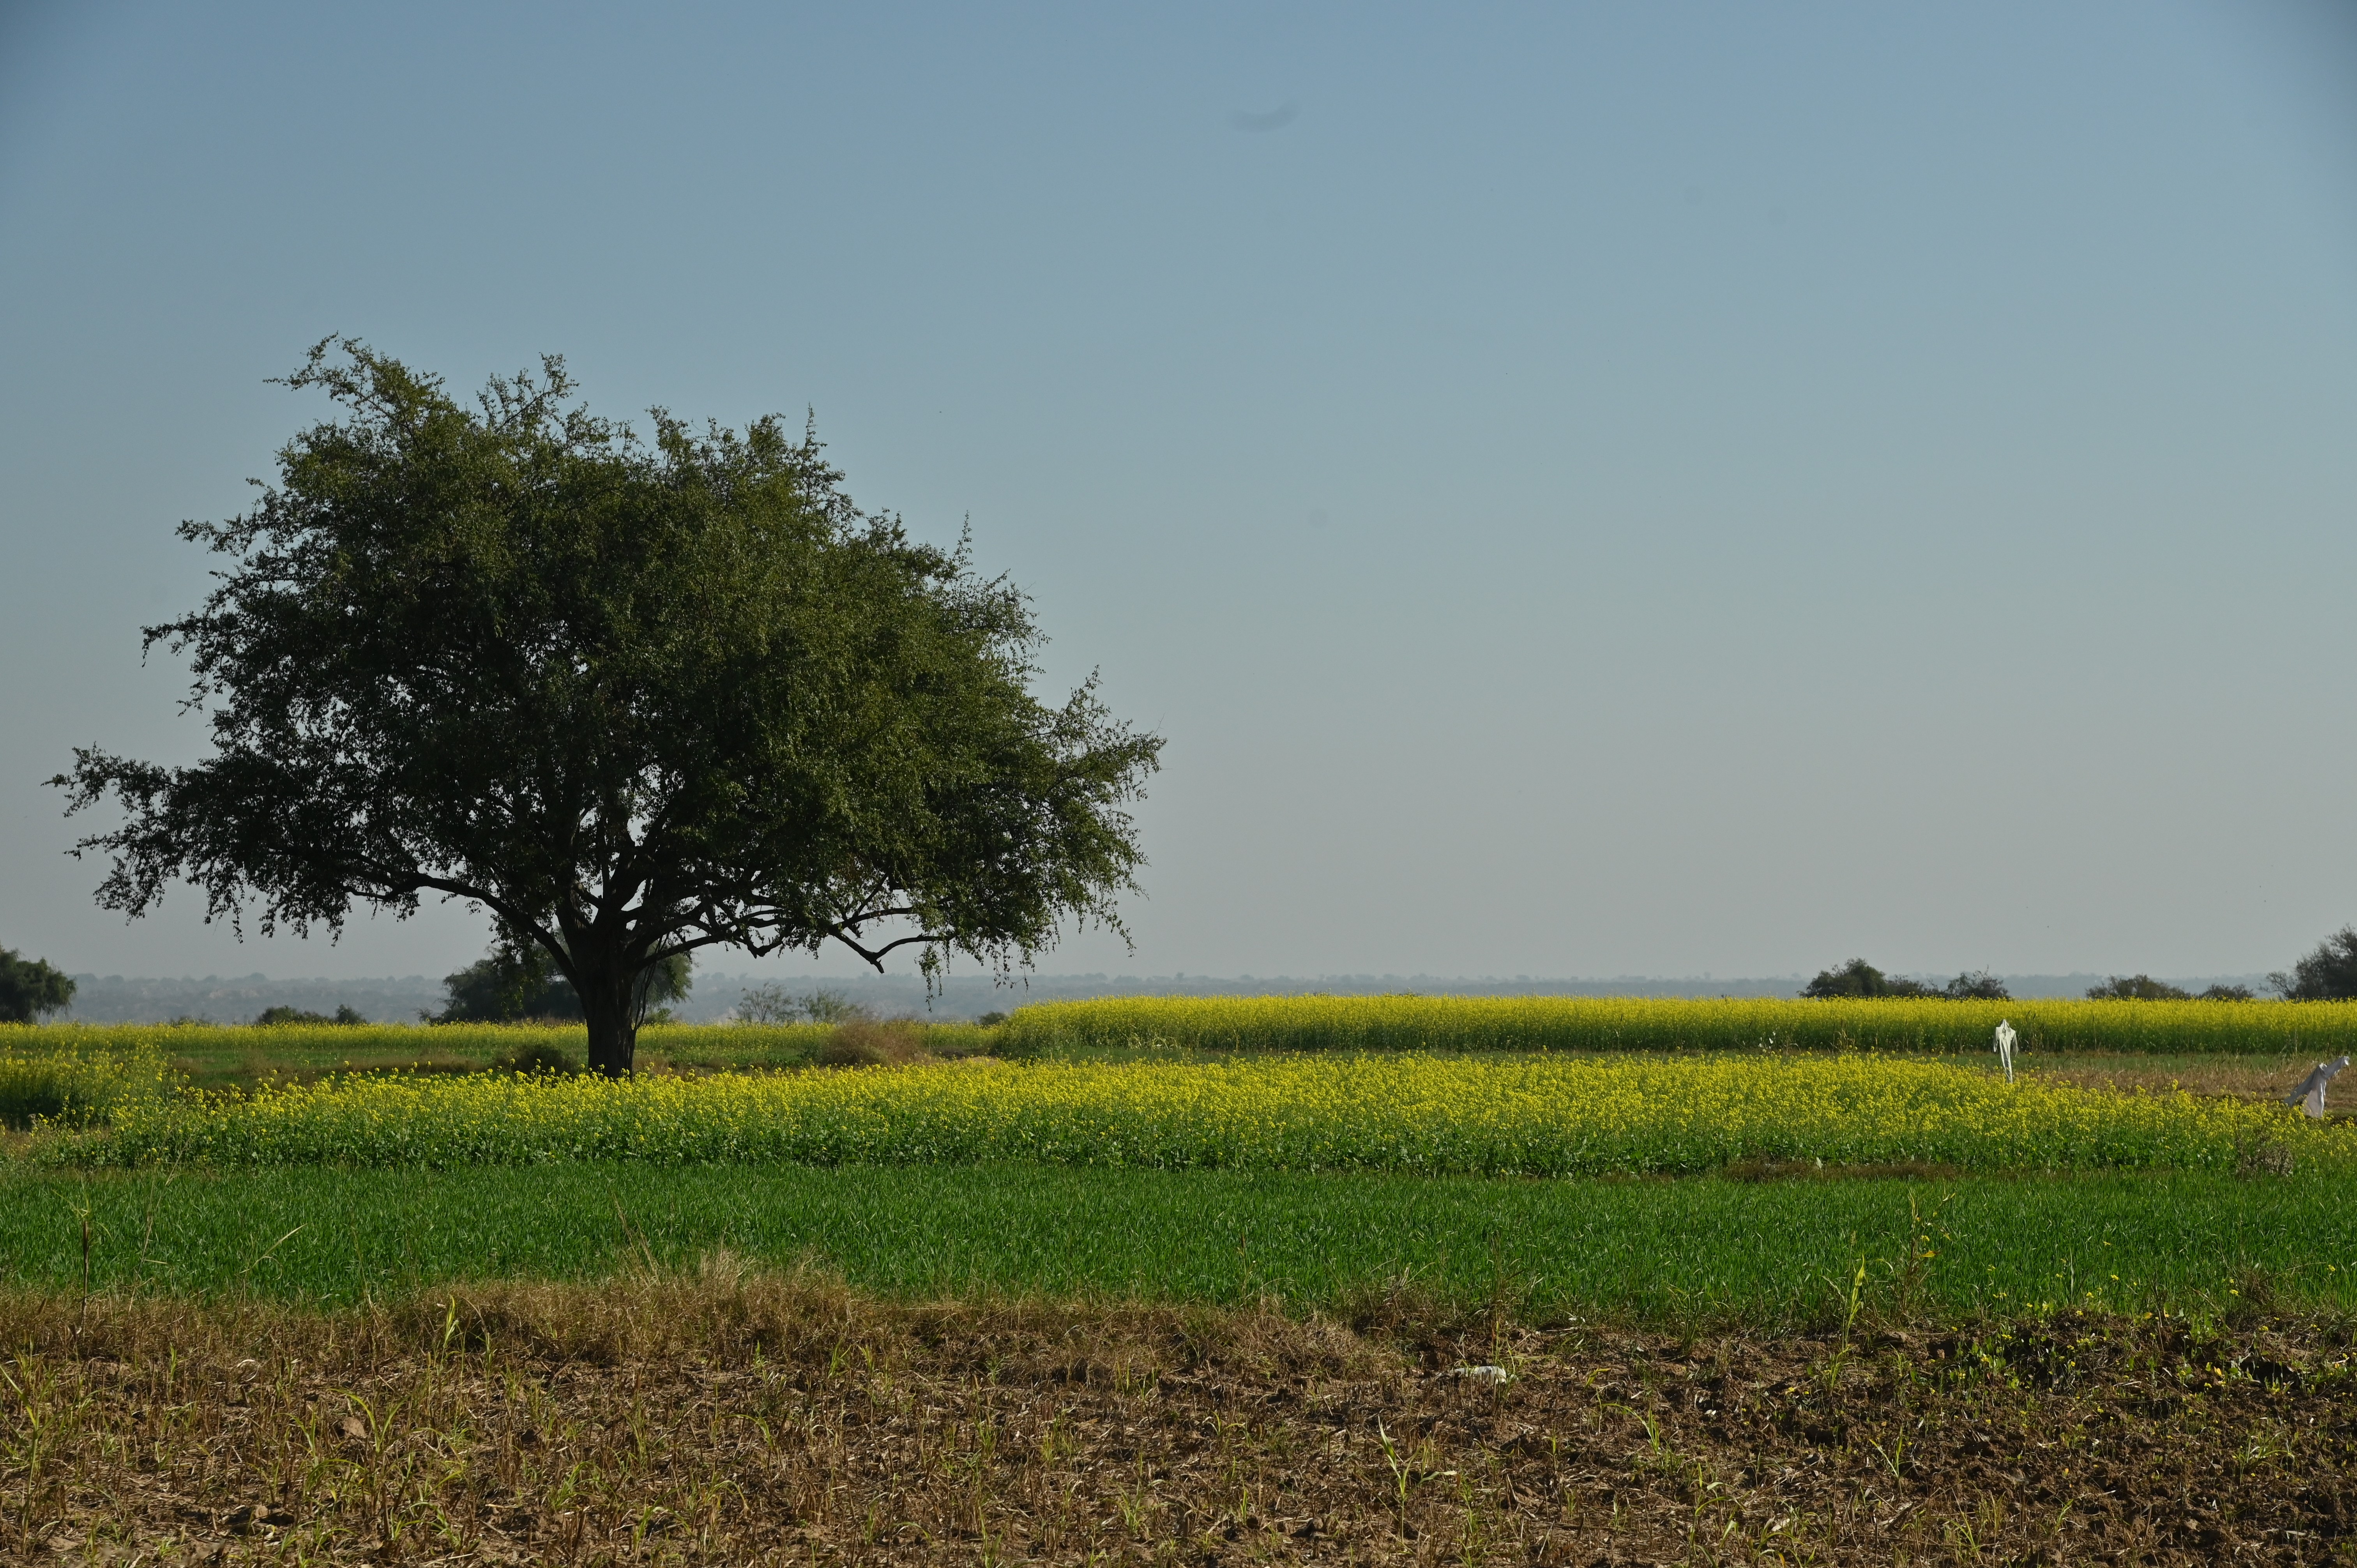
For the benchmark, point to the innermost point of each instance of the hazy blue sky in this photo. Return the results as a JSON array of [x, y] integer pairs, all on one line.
[[1584, 489]]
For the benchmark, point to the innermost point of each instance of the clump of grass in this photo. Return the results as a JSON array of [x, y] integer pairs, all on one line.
[[870, 1042]]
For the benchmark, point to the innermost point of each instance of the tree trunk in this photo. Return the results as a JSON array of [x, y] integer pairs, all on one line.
[[613, 1029]]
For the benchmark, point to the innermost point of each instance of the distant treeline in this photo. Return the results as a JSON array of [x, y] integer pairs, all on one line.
[[2327, 975], [1858, 978]]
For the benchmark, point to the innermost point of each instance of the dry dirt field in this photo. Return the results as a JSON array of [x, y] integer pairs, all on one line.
[[2254, 1077], [739, 1419]]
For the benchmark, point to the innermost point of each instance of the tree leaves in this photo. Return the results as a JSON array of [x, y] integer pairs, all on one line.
[[634, 698]]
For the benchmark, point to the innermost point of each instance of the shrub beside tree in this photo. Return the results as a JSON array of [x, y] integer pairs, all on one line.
[[516, 983]]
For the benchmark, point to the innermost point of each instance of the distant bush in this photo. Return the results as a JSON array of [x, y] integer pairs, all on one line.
[[517, 983], [864, 1042], [30, 989], [774, 1004], [2144, 988], [1858, 978], [2328, 974], [273, 1017]]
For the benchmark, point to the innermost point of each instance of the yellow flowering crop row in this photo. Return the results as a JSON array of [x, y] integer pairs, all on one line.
[[1535, 1116], [71, 1088], [1348, 1023], [1674, 1024], [334, 1041]]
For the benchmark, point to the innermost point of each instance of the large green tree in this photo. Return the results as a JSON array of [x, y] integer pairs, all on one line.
[[633, 696], [31, 988], [1858, 978], [2328, 974]]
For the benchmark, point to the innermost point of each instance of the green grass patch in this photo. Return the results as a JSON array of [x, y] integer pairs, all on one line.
[[1693, 1251]]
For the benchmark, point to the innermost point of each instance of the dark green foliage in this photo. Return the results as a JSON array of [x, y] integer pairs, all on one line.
[[2229, 993], [271, 1016], [30, 989], [2138, 988], [515, 983], [506, 986], [632, 697], [1855, 978], [1859, 978], [2328, 974]]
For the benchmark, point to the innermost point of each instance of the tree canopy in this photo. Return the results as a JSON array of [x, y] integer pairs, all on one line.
[[346, 1015], [30, 989], [634, 697], [2328, 974], [1858, 978]]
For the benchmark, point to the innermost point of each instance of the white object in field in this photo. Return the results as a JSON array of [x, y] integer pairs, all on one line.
[[2005, 1038], [1495, 1376], [2310, 1095]]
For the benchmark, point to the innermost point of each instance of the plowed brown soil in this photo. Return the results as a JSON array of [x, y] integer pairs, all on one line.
[[728, 1419]]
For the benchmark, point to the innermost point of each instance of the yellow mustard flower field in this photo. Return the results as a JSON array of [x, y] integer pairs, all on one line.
[[1919, 1026], [1529, 1116]]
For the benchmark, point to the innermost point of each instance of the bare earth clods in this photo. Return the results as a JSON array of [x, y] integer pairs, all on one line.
[[727, 1419]]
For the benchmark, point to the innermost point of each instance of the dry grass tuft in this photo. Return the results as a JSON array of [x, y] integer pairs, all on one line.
[[869, 1042]]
